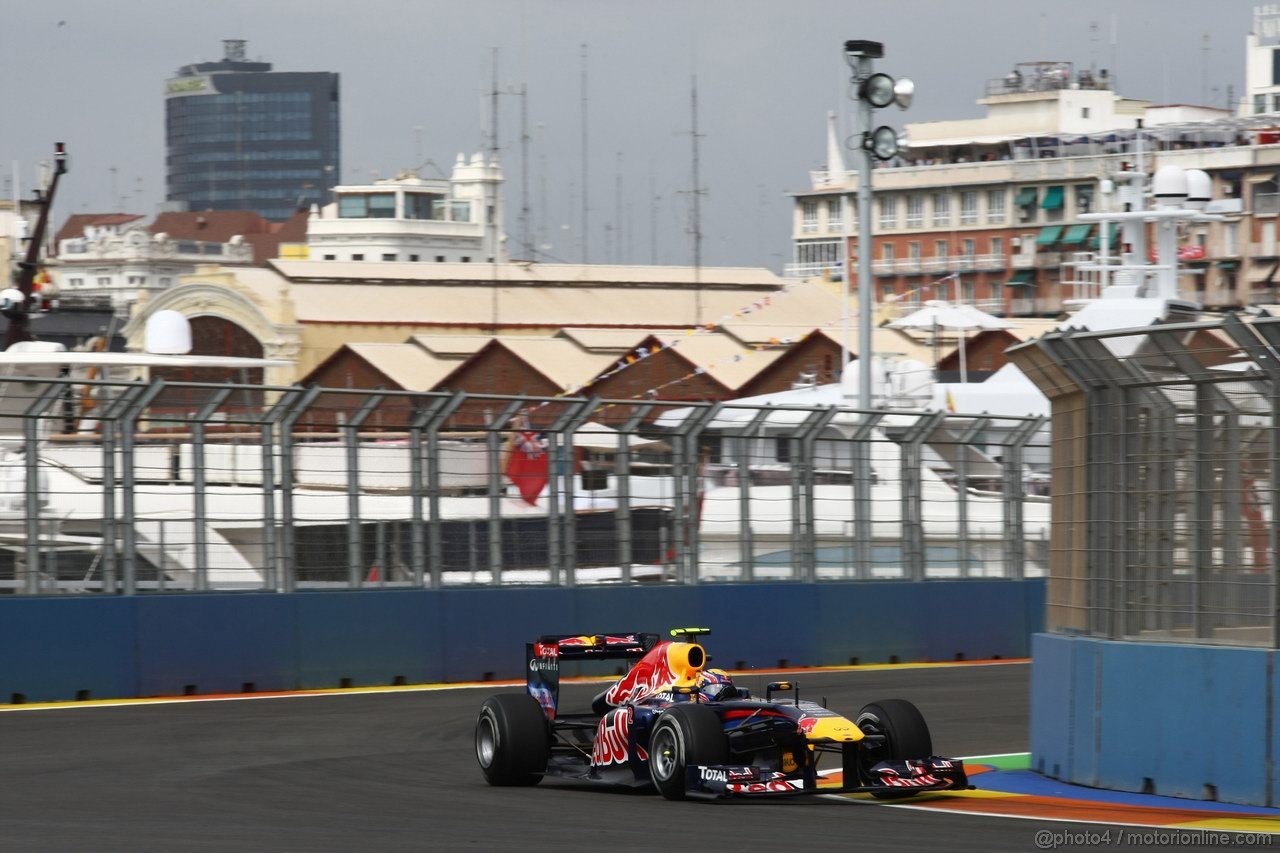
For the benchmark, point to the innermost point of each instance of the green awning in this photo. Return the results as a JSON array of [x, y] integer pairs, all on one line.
[[1049, 235], [1076, 234], [1053, 198], [1227, 265], [1026, 197], [1096, 242], [1023, 278]]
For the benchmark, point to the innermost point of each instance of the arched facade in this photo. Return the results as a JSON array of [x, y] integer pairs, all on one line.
[[227, 318]]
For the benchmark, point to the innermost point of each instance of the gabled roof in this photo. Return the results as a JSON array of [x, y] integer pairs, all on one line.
[[77, 222], [614, 341], [532, 274], [457, 346], [721, 357], [409, 366], [560, 361]]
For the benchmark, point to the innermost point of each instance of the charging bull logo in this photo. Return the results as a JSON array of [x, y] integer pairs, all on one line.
[[613, 737], [664, 664]]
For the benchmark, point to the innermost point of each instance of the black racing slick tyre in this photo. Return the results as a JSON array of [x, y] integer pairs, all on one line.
[[906, 736], [685, 735], [512, 741]]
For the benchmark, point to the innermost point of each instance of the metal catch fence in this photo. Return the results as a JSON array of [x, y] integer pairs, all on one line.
[[1166, 447], [142, 487]]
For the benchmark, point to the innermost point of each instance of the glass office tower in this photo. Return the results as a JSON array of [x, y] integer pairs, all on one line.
[[240, 136]]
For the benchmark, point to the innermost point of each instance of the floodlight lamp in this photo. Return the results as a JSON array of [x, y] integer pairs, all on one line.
[[877, 90], [904, 91], [883, 142], [862, 49]]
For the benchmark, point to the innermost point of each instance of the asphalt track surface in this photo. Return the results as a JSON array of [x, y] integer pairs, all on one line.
[[396, 771]]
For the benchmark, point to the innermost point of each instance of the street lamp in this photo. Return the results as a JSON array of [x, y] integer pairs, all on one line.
[[871, 90]]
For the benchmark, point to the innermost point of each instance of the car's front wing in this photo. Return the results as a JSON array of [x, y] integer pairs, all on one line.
[[931, 774]]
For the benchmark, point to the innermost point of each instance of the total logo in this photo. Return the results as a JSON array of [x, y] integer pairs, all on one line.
[[728, 774], [777, 786]]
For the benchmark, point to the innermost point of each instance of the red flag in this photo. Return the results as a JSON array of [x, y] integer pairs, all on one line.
[[527, 466]]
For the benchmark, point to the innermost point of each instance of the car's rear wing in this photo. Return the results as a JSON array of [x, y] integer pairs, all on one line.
[[544, 656]]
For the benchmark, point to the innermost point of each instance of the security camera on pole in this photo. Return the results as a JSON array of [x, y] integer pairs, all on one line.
[[872, 91]]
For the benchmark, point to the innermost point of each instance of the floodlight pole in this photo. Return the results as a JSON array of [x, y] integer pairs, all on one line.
[[860, 55], [865, 349]]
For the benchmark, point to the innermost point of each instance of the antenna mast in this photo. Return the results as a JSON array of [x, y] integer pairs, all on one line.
[[697, 193], [654, 198], [586, 207], [617, 215], [526, 227], [1204, 70]]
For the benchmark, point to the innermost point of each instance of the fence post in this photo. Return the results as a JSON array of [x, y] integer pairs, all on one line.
[[560, 470], [805, 523], [1014, 494], [622, 481], [689, 490], [199, 489], [493, 444], [911, 460], [31, 437], [863, 474], [128, 426], [355, 551], [746, 538], [270, 546], [964, 442], [288, 538]]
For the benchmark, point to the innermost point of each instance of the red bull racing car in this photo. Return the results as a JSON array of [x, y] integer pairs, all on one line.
[[689, 731]]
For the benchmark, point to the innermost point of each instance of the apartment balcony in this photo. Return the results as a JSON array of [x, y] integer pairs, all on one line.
[[828, 269], [1034, 306], [1022, 261], [1049, 259], [935, 264], [1266, 203], [961, 263], [907, 266], [1264, 250], [915, 303], [883, 267], [990, 262]]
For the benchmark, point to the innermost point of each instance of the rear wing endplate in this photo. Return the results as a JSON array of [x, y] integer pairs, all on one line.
[[544, 656]]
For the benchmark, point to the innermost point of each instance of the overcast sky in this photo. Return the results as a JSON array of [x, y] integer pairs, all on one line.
[[92, 74]]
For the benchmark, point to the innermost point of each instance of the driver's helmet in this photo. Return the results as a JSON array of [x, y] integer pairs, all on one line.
[[715, 685]]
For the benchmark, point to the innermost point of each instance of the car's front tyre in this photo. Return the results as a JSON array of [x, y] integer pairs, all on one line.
[[685, 735], [905, 736], [512, 741]]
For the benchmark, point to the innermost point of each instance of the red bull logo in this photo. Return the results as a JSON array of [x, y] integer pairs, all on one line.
[[613, 737], [649, 674]]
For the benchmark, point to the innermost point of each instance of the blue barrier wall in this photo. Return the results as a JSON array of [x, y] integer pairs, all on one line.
[[60, 648], [1180, 720]]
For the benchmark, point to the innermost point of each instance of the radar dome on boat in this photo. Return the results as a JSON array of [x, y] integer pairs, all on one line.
[[1199, 189], [1170, 186], [168, 333]]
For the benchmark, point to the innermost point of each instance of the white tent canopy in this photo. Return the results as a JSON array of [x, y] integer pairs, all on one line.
[[939, 314], [594, 436]]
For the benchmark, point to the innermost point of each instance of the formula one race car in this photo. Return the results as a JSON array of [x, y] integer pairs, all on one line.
[[689, 731]]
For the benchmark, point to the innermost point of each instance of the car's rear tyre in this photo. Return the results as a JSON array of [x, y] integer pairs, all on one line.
[[906, 736], [685, 735], [512, 741]]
